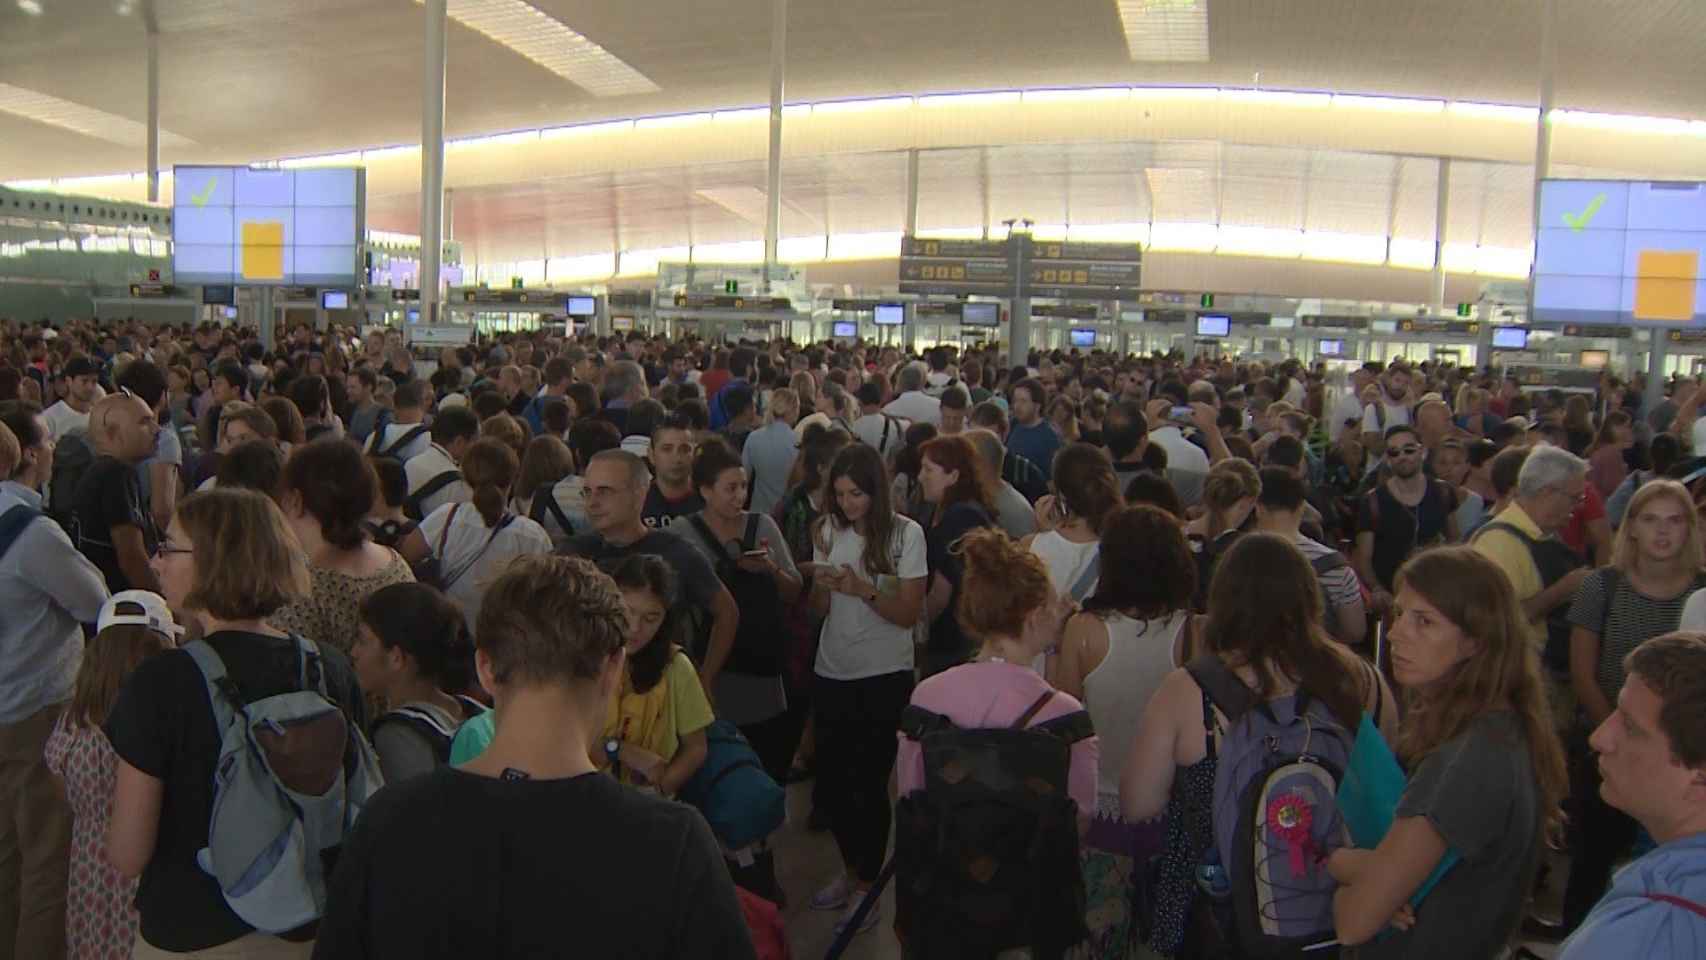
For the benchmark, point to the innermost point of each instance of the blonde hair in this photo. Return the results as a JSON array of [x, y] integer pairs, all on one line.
[[783, 399], [1625, 553], [248, 563]]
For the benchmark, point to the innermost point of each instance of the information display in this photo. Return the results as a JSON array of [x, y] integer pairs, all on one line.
[[890, 314], [334, 300], [238, 225], [582, 306], [1617, 251], [1213, 325], [1331, 348], [1083, 337], [844, 328], [980, 315], [1510, 338]]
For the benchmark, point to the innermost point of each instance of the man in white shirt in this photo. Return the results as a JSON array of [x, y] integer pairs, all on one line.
[[406, 423], [913, 404], [874, 428], [1348, 407], [82, 390], [1391, 409], [435, 477], [1187, 464]]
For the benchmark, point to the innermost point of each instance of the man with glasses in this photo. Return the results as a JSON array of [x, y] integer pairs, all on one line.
[[1405, 512]]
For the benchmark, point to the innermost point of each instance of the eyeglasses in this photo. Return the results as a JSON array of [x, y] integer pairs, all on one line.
[[1408, 450], [167, 549]]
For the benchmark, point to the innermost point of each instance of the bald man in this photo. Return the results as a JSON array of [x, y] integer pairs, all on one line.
[[114, 527]]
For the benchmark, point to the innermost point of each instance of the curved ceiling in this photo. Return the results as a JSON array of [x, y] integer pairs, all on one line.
[[245, 80]]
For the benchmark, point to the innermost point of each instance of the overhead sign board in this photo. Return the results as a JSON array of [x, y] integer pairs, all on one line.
[[956, 266], [1420, 325], [1099, 271], [1336, 321], [1598, 331], [1067, 311], [703, 301]]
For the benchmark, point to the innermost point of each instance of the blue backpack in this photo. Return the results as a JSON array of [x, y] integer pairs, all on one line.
[[1276, 815], [282, 801], [13, 523], [740, 801]]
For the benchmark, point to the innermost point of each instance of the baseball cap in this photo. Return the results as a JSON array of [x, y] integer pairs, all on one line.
[[81, 367], [155, 614]]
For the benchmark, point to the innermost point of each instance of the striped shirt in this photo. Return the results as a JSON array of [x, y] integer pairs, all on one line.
[[1634, 618]]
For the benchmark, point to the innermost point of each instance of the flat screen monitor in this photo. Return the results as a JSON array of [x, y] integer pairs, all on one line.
[[1083, 337], [1213, 325], [230, 313], [1332, 348], [1510, 338], [583, 306], [890, 314], [219, 294], [980, 314], [1621, 251], [621, 323], [414, 315], [1595, 359], [1383, 326], [845, 328], [334, 300], [244, 225]]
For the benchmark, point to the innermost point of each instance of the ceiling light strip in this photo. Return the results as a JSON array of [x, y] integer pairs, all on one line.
[[1165, 31], [546, 41], [88, 121]]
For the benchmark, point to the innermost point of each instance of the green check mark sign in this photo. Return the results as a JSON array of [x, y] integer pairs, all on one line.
[[1579, 221], [206, 194]]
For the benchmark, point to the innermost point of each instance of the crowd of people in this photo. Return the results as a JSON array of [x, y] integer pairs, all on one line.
[[325, 648]]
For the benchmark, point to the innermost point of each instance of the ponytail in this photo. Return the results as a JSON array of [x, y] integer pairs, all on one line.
[[490, 468]]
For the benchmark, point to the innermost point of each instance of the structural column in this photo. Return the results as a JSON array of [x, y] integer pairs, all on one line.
[[1019, 321], [773, 195], [912, 192], [153, 111], [1442, 208], [432, 159]]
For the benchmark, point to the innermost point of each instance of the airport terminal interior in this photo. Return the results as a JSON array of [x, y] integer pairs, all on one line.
[[1139, 288]]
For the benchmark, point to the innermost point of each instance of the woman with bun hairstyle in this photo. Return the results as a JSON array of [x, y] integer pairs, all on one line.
[[475, 541], [413, 652]]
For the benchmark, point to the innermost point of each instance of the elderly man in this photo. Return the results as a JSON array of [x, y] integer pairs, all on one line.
[[624, 386], [115, 528], [1652, 762], [913, 403]]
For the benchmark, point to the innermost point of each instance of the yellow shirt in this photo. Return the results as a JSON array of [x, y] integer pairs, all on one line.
[[1513, 557], [657, 719]]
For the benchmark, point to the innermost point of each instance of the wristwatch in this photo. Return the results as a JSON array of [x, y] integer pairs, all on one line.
[[613, 753]]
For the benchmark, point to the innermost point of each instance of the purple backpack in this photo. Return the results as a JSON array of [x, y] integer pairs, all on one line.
[[1276, 813]]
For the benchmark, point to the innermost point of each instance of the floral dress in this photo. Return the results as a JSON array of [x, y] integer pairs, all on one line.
[[100, 905]]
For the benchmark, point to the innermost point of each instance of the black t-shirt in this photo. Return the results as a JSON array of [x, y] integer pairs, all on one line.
[[1401, 530], [456, 865], [694, 574], [660, 511], [949, 644], [163, 726], [110, 495]]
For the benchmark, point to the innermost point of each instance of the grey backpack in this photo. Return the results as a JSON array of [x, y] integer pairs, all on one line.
[[282, 802]]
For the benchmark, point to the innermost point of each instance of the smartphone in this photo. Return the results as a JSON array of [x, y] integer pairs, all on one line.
[[1181, 413], [758, 554]]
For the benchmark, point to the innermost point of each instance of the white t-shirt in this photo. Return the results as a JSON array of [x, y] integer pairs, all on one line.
[[433, 463], [869, 429], [397, 431], [463, 544], [1348, 407], [914, 405], [61, 420], [857, 642], [1395, 414]]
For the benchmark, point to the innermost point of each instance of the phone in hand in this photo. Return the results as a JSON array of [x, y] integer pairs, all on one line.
[[1181, 414], [757, 553]]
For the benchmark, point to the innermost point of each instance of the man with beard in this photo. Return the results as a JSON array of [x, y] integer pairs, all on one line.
[[1404, 513]]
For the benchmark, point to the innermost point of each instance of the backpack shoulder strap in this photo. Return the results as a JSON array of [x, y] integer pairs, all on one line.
[[445, 530], [312, 665], [1087, 579], [221, 691], [1328, 562], [13, 523], [915, 722], [407, 438], [719, 556], [749, 539], [1507, 527], [1031, 713], [1221, 686], [431, 487], [1613, 577], [1071, 727], [1698, 910]]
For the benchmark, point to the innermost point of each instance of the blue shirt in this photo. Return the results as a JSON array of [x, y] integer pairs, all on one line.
[[720, 416], [769, 454], [1036, 443], [47, 589], [1627, 923]]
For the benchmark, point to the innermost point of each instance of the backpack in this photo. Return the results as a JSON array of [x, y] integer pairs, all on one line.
[[412, 505], [282, 799], [433, 572], [758, 642], [13, 523], [738, 799], [394, 451], [545, 504], [1553, 559], [1323, 565], [986, 855], [72, 457], [430, 726], [1275, 813]]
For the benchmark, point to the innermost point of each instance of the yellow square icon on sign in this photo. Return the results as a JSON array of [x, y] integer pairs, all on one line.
[[959, 273], [263, 250], [1081, 276], [929, 273], [1665, 283]]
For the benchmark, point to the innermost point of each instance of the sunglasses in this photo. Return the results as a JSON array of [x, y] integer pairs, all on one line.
[[1408, 450]]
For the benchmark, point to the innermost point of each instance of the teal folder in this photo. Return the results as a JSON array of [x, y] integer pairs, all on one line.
[[1368, 798]]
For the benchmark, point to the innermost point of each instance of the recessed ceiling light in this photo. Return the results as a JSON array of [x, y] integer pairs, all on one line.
[[1165, 31], [545, 40], [51, 110], [31, 7]]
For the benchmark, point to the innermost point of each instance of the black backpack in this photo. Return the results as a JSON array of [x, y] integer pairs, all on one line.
[[1553, 559], [412, 505], [758, 639], [394, 451], [427, 725], [986, 855], [72, 457], [545, 505]]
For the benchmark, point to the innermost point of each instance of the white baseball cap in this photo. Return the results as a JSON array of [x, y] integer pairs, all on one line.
[[155, 615]]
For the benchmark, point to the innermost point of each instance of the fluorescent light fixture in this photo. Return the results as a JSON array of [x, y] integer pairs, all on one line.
[[952, 233], [1109, 232], [1275, 242], [863, 106], [740, 251], [987, 99], [796, 110], [585, 129], [352, 159], [31, 7], [865, 246], [99, 124], [1388, 104], [494, 140], [388, 153], [1502, 261], [1493, 111], [644, 263], [745, 113], [1049, 231], [1334, 247], [1078, 95], [1622, 123], [1460, 257], [531, 272], [802, 249], [1184, 237], [1410, 254], [1165, 31], [1190, 94], [591, 267], [1278, 98], [545, 40], [672, 121]]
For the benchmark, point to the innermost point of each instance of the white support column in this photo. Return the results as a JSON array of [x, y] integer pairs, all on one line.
[[912, 193], [432, 159], [1442, 208], [773, 196], [153, 110]]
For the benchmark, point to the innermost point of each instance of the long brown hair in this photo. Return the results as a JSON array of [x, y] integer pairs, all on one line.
[[1476, 596], [1265, 613], [1084, 484], [975, 485], [1004, 584], [863, 465], [108, 659], [489, 466]]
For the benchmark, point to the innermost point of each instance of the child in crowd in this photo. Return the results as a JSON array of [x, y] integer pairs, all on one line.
[[100, 910]]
